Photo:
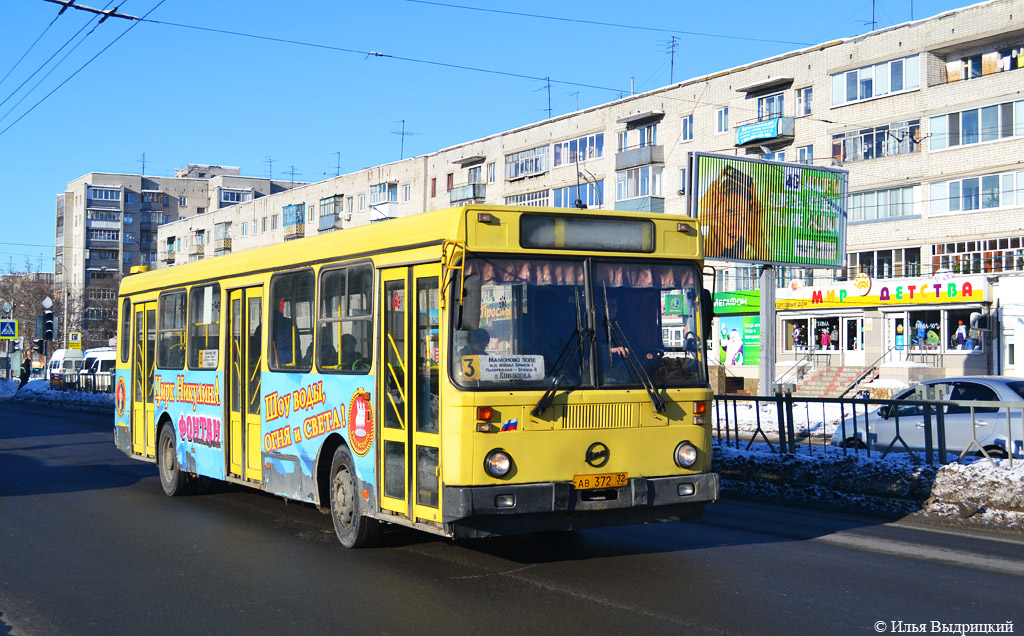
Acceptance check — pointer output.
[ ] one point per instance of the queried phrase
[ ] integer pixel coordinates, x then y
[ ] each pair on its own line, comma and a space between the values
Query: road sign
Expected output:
8, 329
74, 340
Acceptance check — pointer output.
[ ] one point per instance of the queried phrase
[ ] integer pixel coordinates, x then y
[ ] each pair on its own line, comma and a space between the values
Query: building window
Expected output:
362, 202
979, 257
722, 120
988, 123
881, 204
103, 235
182, 201
648, 135
450, 182
621, 141
577, 150
881, 141
888, 263
200, 210
526, 163
433, 186
887, 78
273, 222
683, 184
406, 193
804, 99
805, 154
129, 198
102, 194
774, 156
473, 174
591, 195
987, 192
638, 182
988, 63
331, 206
770, 106
490, 173
686, 128
383, 193
232, 197
533, 199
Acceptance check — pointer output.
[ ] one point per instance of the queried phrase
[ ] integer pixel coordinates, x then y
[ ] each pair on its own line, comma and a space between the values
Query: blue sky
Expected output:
178, 94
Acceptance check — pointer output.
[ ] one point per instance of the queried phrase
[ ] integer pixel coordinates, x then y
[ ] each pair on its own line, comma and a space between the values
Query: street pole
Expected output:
767, 285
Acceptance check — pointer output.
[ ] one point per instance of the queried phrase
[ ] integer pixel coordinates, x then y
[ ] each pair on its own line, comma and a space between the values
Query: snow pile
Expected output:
39, 392
981, 491
8, 388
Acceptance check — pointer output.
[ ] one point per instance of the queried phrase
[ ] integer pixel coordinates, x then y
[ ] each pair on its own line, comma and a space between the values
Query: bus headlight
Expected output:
498, 463
685, 455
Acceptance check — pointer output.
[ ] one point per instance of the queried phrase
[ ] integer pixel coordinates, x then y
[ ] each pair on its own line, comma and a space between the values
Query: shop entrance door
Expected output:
896, 337
853, 342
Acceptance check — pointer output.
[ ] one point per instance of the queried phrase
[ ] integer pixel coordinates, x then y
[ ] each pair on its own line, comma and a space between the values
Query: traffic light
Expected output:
40, 346
47, 325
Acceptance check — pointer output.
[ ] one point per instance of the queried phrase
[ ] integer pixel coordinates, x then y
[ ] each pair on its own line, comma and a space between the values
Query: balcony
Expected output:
765, 131
295, 231
168, 257
639, 156
642, 204
327, 222
221, 245
468, 193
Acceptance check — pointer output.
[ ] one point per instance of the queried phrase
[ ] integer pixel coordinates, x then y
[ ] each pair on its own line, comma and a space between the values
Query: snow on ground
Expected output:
39, 392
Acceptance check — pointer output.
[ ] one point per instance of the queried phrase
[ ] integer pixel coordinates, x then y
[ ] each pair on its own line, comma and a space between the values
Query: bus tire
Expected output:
354, 529
174, 481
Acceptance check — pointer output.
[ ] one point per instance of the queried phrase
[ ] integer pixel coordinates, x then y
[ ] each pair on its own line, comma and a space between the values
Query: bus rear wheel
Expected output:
354, 529
173, 480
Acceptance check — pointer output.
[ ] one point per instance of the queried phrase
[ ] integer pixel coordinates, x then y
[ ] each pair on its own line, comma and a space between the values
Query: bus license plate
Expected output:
608, 480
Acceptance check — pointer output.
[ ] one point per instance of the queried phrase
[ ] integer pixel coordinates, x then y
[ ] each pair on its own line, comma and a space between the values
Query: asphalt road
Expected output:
90, 545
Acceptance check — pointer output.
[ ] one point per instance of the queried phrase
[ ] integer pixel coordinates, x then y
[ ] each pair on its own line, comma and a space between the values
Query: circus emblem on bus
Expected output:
120, 396
360, 422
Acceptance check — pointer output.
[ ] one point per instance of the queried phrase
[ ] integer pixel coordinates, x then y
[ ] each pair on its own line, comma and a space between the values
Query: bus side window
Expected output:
204, 327
345, 319
291, 329
171, 332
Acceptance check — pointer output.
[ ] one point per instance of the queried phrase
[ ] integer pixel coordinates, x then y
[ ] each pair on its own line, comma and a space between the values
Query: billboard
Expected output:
739, 342
755, 211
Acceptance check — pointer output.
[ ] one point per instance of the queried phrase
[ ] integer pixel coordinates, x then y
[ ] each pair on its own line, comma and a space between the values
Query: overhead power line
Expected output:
80, 69
31, 46
106, 13
607, 24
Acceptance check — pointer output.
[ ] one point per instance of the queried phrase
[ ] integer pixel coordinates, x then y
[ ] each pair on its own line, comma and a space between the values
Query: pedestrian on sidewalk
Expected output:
26, 370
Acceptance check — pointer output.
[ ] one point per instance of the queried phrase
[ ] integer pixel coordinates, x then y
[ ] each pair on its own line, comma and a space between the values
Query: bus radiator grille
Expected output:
591, 416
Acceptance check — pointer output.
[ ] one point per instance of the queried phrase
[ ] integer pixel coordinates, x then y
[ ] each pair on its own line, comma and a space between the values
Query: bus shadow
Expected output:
719, 528
22, 475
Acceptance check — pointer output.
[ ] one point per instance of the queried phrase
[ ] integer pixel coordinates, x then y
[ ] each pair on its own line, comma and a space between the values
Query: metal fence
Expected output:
930, 431
99, 382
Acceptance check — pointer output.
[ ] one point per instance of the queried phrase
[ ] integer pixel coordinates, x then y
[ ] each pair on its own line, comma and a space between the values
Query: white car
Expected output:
992, 431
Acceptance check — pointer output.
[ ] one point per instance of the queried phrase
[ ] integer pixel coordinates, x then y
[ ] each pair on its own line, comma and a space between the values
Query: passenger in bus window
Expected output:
349, 355
283, 334
477, 345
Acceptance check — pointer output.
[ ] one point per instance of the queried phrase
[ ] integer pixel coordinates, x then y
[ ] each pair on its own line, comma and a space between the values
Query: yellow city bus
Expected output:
469, 372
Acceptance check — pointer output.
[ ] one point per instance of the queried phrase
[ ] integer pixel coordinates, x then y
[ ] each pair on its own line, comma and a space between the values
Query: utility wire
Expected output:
31, 46
80, 69
43, 65
608, 24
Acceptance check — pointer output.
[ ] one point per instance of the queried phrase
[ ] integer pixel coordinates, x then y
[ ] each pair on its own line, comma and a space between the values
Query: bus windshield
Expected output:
583, 323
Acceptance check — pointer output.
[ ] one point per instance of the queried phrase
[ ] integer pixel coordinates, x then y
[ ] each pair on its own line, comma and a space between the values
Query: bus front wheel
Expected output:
174, 480
354, 529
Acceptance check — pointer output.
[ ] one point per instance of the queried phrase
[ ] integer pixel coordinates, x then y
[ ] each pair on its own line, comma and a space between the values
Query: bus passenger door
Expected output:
143, 363
244, 378
409, 393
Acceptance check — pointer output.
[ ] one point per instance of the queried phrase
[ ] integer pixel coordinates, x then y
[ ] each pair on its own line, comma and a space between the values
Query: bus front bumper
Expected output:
476, 511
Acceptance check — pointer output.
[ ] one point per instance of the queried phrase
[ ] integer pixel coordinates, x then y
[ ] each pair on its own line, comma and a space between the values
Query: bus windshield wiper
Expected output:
617, 340
581, 337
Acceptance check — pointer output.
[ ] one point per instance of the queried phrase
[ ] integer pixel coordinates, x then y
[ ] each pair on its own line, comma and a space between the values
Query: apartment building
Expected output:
107, 223
927, 117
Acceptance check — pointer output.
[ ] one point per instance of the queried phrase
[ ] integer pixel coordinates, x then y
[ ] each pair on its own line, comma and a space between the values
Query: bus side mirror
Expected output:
469, 305
707, 313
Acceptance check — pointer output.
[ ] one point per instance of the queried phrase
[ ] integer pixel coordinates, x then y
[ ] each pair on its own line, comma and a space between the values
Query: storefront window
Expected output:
925, 331
959, 335
795, 334
826, 333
